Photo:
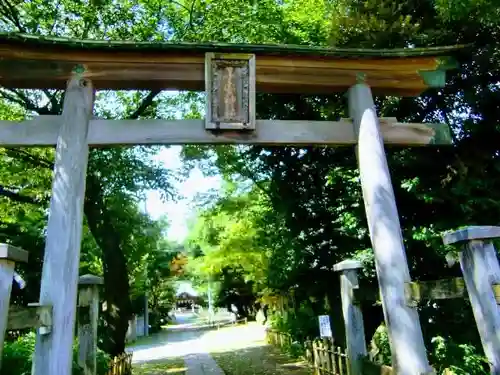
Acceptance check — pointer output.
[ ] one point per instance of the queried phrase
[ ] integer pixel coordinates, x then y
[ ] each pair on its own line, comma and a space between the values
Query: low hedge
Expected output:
17, 357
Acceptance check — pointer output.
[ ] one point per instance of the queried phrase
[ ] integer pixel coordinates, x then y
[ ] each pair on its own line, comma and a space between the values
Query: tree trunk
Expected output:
116, 285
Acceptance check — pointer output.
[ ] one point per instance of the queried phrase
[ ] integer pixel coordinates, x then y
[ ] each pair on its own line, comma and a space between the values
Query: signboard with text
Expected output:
325, 329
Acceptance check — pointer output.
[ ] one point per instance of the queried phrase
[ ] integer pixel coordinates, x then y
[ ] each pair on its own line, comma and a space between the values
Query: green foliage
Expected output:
288, 214
380, 349
302, 324
462, 359
226, 247
17, 357
316, 216
117, 236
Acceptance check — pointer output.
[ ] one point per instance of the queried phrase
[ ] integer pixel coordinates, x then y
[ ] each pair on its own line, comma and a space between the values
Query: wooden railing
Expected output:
321, 354
121, 365
327, 358
279, 339
224, 323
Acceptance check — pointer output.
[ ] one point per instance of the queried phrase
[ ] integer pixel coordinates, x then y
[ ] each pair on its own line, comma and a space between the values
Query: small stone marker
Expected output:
353, 317
88, 318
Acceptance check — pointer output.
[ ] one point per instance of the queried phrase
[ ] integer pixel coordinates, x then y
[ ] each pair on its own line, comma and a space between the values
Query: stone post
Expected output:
9, 255
88, 320
353, 317
480, 268
407, 343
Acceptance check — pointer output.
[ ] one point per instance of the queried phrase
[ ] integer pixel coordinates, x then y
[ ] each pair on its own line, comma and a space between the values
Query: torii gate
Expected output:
231, 75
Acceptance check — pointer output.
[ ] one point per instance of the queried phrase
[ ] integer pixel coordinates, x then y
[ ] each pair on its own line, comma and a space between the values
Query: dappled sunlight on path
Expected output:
234, 350
243, 351
234, 338
170, 345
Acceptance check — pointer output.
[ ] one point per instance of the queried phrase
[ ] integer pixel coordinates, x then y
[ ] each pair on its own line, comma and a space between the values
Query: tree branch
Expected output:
146, 102
56, 106
10, 12
29, 158
5, 192
21, 99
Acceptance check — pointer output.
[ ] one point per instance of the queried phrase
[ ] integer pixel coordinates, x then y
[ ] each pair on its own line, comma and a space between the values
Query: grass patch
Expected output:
172, 366
259, 360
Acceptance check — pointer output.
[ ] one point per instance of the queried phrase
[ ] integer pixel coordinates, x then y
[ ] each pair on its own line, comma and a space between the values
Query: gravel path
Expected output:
183, 342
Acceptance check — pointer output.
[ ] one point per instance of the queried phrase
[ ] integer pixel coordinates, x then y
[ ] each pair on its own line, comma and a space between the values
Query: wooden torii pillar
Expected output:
231, 80
53, 353
405, 333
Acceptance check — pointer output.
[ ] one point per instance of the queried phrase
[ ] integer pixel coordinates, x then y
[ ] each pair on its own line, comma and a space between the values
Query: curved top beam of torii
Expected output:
28, 61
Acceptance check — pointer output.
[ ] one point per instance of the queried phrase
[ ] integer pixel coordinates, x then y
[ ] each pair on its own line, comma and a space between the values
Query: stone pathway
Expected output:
185, 343
202, 364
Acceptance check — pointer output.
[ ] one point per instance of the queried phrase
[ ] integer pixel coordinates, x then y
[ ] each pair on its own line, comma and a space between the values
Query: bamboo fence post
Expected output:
328, 357
341, 364
315, 357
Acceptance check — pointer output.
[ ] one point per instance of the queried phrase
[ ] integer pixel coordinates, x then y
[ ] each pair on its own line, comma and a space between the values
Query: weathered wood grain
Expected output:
13, 253
353, 316
43, 130
397, 133
167, 67
480, 232
496, 292
230, 90
53, 353
417, 291
33, 316
436, 289
407, 343
481, 270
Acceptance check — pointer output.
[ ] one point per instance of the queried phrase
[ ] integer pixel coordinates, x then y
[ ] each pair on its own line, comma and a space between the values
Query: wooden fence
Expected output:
326, 359
121, 365
321, 354
224, 323
279, 339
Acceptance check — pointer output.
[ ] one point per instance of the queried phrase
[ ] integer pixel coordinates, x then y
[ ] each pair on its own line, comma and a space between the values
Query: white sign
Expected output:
325, 330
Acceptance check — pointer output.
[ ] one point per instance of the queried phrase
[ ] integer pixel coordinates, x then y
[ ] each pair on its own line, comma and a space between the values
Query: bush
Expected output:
462, 359
380, 349
300, 325
17, 357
